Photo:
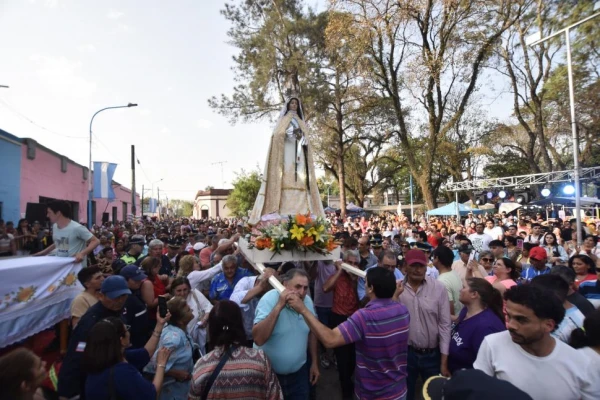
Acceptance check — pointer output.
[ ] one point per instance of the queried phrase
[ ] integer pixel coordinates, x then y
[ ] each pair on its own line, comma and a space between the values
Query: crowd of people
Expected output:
173, 310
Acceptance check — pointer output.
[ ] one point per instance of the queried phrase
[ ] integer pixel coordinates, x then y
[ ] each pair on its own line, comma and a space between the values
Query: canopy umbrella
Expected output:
450, 209
329, 210
353, 208
508, 207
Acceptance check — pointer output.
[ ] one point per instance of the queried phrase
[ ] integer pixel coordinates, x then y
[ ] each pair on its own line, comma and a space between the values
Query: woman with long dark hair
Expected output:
114, 370
246, 373
152, 286
584, 267
481, 316
556, 253
21, 375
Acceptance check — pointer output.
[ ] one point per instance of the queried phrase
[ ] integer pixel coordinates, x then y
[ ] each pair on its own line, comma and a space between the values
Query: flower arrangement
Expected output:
300, 233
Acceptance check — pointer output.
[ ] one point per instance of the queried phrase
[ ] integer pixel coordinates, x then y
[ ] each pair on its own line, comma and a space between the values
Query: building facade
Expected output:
34, 175
211, 204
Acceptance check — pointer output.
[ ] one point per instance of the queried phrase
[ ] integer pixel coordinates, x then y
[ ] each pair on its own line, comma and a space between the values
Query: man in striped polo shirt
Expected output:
379, 332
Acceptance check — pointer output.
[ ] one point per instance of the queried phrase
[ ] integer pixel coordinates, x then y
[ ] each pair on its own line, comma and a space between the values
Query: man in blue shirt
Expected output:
223, 283
537, 258
388, 262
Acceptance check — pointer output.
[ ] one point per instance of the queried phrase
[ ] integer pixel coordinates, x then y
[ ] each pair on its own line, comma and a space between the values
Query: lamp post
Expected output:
90, 193
533, 40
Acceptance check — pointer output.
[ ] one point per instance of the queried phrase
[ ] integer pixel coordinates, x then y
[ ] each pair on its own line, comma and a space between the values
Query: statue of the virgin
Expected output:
289, 185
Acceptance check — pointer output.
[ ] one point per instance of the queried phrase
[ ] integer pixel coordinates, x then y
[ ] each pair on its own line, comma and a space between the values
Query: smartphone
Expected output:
162, 306
520, 244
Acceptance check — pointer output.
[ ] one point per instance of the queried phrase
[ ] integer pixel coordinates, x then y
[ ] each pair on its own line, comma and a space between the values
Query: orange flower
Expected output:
307, 241
262, 243
303, 219
331, 245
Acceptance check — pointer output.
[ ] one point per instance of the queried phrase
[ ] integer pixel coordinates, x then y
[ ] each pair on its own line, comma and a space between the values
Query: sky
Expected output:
66, 59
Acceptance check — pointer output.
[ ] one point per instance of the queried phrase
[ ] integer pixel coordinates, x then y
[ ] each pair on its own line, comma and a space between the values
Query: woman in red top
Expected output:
345, 303
153, 286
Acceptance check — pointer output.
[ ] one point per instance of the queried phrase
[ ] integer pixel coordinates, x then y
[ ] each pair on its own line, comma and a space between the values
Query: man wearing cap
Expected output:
497, 248
136, 308
112, 297
136, 246
460, 266
471, 384
527, 355
537, 259
429, 333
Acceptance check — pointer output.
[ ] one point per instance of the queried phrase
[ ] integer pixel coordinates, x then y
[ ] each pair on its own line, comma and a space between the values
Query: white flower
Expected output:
279, 232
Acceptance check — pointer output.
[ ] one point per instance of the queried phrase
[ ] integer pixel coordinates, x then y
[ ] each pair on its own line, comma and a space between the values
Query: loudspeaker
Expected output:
104, 218
36, 212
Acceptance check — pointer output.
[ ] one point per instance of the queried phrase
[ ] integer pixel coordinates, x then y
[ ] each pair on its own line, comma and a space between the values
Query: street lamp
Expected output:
535, 39
90, 194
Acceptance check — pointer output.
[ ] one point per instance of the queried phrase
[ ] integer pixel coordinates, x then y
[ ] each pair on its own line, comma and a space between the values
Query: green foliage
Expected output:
245, 189
181, 208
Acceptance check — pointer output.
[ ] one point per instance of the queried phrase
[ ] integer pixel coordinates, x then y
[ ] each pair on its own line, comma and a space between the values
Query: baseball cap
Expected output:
133, 272
114, 286
496, 243
471, 384
465, 248
416, 257
137, 239
199, 246
537, 253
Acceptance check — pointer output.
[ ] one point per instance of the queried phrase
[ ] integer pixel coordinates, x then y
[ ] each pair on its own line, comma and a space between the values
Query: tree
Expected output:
181, 208
245, 189
209, 187
421, 55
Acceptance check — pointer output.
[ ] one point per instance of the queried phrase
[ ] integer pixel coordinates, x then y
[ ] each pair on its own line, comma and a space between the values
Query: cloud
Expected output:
204, 124
165, 130
62, 76
86, 48
114, 14
144, 112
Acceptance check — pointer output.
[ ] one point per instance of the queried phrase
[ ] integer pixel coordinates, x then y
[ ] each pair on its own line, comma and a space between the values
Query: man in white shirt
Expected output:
527, 355
492, 230
480, 240
536, 234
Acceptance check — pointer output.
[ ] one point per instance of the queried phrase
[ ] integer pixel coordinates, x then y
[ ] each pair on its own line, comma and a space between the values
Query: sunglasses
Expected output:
487, 259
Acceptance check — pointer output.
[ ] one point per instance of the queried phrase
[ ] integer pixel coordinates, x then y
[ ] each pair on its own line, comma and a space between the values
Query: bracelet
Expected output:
157, 334
161, 365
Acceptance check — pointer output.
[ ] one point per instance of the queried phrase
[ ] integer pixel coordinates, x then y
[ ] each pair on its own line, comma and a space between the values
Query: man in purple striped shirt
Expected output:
380, 333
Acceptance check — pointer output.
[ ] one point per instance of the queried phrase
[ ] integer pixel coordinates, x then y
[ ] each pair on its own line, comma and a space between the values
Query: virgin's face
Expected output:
294, 105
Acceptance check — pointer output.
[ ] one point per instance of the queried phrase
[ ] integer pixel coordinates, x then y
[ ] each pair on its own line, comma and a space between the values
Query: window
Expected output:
85, 173
63, 164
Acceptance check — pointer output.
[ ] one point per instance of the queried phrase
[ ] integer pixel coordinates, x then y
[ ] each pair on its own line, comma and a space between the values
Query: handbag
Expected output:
216, 372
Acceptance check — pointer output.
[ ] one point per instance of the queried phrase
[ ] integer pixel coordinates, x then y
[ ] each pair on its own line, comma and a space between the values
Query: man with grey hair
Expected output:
284, 336
155, 249
136, 246
223, 283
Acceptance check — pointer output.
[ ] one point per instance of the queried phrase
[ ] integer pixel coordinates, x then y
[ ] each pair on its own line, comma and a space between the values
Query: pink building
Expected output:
47, 175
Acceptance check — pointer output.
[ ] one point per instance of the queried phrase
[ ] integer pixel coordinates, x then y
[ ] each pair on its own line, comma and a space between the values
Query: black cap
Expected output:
496, 243
471, 384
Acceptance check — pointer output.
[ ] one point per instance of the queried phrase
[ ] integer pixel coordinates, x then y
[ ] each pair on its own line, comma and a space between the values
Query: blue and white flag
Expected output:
152, 205
103, 175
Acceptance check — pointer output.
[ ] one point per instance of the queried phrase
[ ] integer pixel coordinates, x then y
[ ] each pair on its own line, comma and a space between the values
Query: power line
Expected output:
15, 111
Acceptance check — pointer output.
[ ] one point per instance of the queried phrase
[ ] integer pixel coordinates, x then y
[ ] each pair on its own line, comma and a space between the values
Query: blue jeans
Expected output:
424, 365
295, 386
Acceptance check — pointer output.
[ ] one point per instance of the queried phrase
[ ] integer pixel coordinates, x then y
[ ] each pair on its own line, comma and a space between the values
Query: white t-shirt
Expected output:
480, 242
562, 375
495, 233
70, 240
197, 277
595, 359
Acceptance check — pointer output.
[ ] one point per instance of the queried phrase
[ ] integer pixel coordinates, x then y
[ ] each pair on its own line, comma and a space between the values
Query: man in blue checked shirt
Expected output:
223, 283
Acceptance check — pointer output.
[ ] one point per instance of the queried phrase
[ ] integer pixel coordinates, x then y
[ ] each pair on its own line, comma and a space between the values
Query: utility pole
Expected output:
142, 204
158, 201
222, 180
133, 208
